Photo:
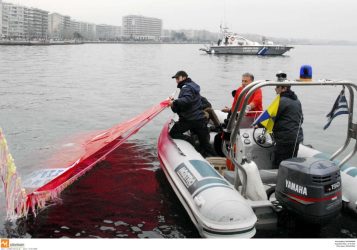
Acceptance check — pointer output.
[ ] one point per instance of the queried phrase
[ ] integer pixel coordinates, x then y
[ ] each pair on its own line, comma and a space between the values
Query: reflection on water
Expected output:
125, 196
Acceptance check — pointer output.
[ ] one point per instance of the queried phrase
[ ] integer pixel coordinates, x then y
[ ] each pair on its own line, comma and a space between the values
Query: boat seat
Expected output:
268, 176
219, 163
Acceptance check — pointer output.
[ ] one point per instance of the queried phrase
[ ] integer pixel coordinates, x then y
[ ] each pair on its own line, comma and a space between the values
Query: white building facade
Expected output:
59, 26
20, 22
108, 32
37, 22
14, 19
0, 19
87, 31
141, 27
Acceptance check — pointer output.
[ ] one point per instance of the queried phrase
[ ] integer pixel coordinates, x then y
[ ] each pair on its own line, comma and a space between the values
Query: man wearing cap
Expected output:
188, 106
287, 130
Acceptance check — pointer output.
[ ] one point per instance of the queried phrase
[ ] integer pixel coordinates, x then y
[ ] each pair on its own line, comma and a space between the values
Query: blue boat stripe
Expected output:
352, 172
263, 51
344, 167
204, 169
192, 184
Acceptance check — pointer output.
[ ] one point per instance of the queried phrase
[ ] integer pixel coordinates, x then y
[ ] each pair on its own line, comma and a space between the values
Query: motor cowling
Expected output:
310, 188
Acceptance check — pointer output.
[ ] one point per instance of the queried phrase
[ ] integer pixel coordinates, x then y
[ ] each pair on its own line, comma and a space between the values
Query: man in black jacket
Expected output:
288, 133
188, 106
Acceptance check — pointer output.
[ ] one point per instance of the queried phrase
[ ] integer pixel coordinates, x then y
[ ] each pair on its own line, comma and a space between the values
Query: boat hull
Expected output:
214, 206
268, 50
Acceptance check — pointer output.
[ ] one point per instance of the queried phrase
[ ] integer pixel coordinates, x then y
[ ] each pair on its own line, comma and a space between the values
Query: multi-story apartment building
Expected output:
0, 19
20, 22
141, 27
14, 16
108, 32
199, 35
75, 27
59, 26
36, 23
4, 19
87, 31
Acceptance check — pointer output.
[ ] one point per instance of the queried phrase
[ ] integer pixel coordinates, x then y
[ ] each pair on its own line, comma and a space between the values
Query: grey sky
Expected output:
315, 19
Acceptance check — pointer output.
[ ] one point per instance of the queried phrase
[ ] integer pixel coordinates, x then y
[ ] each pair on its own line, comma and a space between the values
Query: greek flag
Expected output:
339, 108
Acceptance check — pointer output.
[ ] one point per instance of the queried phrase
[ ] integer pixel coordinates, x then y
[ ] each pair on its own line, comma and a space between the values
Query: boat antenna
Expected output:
224, 15
223, 25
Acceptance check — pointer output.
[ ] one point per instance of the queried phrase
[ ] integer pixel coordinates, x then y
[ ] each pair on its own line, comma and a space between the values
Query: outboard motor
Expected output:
310, 188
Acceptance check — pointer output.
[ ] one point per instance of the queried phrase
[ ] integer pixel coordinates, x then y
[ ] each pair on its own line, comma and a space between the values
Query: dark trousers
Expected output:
199, 128
283, 152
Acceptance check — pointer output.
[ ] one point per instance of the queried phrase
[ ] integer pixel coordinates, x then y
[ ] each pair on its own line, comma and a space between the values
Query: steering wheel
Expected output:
263, 139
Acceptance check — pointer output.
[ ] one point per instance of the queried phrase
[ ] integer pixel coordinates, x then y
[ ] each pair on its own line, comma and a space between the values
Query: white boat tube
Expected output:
214, 206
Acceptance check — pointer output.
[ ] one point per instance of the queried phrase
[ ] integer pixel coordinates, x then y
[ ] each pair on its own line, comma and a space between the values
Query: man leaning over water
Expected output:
191, 116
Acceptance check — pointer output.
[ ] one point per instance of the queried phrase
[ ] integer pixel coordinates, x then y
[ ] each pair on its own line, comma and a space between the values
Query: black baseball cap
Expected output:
180, 73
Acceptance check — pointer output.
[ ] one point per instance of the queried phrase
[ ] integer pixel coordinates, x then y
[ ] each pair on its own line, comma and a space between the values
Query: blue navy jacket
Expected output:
288, 120
188, 104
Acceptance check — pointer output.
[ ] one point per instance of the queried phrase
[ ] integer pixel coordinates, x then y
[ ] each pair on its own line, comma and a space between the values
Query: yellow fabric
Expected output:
269, 115
8, 161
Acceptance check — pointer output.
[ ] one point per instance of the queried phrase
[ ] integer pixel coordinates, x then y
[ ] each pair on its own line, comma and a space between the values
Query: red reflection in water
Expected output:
121, 197
89, 152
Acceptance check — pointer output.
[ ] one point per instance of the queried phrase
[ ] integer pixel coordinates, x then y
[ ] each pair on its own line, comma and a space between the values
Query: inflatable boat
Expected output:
232, 200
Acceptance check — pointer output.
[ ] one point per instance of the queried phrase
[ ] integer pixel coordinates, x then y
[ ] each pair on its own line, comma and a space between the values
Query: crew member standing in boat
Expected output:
188, 106
255, 102
287, 130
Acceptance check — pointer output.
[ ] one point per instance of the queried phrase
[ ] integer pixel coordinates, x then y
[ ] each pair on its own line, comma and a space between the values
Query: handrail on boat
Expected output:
247, 92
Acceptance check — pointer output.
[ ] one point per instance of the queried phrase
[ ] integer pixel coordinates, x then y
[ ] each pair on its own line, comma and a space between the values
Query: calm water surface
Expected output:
51, 94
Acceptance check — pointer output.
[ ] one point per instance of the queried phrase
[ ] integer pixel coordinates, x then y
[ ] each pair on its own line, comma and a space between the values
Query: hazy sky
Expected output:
315, 19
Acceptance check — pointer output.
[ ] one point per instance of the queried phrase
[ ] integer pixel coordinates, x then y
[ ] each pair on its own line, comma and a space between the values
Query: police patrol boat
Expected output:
233, 203
234, 44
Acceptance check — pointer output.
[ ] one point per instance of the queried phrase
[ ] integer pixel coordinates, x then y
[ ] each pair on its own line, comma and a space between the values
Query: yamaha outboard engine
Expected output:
310, 187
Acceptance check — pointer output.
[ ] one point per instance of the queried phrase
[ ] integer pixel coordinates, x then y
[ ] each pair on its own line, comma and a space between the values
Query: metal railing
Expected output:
247, 92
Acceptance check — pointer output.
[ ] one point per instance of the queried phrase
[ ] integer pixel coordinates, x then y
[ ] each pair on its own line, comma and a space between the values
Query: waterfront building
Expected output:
189, 35
142, 28
87, 31
59, 26
0, 19
4, 21
36, 24
14, 17
199, 35
166, 35
108, 32
75, 28
20, 22
83, 30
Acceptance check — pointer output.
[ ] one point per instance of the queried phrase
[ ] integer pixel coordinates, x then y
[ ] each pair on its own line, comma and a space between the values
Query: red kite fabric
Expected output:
47, 184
